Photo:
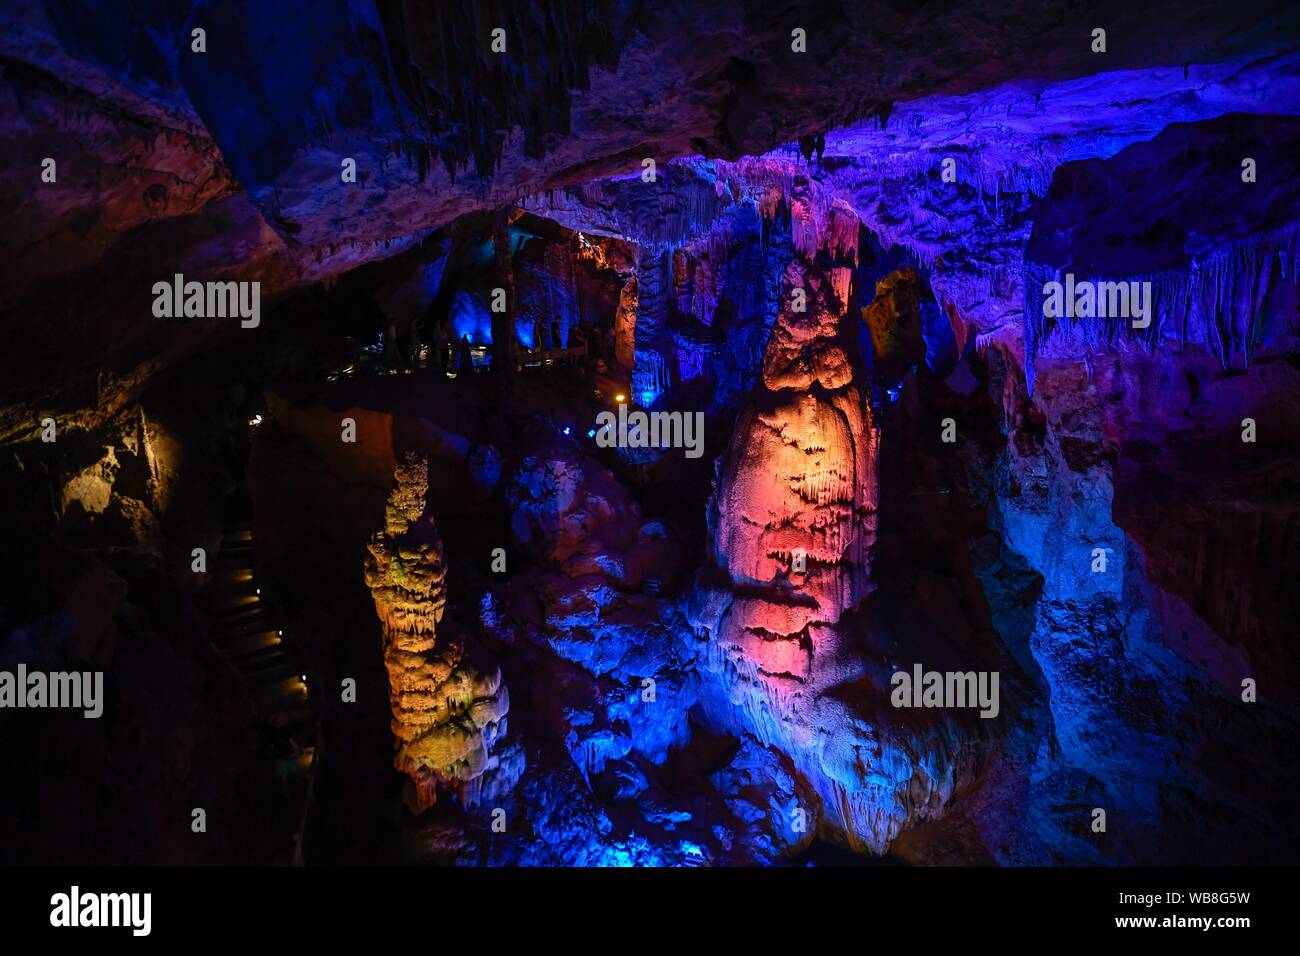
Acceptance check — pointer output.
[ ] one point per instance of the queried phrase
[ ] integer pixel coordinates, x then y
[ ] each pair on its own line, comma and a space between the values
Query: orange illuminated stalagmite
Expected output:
796, 498
448, 710
782, 605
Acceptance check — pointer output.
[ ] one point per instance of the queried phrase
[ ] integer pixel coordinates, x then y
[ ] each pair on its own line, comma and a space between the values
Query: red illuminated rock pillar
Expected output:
796, 496
792, 525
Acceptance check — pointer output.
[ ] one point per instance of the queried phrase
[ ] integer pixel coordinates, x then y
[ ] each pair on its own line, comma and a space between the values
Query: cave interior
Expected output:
612, 400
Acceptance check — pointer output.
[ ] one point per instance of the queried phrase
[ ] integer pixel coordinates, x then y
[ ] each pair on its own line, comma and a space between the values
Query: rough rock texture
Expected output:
1142, 690
595, 555
681, 693
98, 536
793, 522
1211, 259
893, 319
387, 86
448, 709
761, 787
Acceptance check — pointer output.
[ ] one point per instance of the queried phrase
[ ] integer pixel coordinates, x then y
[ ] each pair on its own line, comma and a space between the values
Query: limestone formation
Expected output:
836, 253
796, 499
793, 521
448, 707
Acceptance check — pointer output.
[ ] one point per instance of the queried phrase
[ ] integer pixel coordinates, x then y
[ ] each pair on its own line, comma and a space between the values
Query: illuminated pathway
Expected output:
245, 632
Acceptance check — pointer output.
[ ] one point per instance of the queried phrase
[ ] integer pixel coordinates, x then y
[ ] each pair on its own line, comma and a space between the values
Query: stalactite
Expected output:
651, 373
1212, 303
471, 97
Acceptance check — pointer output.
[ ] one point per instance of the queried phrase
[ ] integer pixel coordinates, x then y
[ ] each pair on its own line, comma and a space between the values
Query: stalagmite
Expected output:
448, 708
793, 524
800, 477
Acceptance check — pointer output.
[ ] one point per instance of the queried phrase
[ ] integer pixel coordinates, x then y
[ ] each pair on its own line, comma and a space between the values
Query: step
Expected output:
236, 645
240, 629
268, 670
228, 596
232, 571
257, 656
272, 674
244, 610
245, 624
289, 684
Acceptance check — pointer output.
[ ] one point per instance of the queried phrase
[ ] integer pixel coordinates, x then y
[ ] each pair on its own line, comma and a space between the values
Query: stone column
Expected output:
447, 709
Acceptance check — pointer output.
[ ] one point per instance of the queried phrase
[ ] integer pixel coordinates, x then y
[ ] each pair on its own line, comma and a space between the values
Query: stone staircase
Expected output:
244, 629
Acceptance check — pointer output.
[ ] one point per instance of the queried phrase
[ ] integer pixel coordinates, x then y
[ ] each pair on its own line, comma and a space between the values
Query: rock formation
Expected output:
596, 556
793, 520
448, 708
699, 651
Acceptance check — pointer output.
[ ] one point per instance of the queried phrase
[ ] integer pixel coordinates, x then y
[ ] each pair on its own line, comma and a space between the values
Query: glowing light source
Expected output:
620, 397
565, 429
255, 421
